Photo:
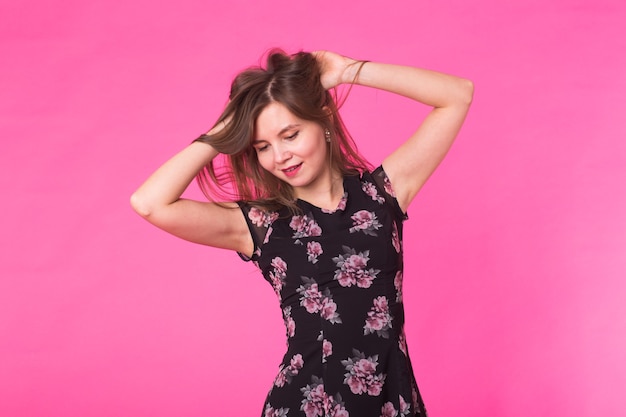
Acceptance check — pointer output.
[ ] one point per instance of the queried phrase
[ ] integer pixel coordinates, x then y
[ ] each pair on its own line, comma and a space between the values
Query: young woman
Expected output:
324, 228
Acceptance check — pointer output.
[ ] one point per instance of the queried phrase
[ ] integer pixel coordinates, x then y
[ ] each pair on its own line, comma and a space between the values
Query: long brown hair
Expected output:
294, 81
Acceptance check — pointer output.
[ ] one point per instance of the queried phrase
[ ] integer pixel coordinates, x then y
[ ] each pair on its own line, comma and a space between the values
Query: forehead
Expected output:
273, 119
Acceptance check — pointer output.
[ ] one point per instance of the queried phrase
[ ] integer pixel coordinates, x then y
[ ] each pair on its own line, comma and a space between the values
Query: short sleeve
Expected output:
384, 186
258, 222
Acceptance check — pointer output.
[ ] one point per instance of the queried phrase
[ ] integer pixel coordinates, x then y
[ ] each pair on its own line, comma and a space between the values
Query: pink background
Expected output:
516, 248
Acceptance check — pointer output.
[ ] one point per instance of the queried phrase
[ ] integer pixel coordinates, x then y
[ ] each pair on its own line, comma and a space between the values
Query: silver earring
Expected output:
327, 135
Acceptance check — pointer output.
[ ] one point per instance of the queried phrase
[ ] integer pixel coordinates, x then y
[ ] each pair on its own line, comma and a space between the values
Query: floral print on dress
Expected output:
316, 301
278, 274
361, 374
388, 410
286, 373
415, 397
388, 187
405, 408
378, 318
314, 398
313, 250
371, 190
340, 207
397, 283
275, 412
290, 324
304, 226
318, 403
327, 349
402, 343
366, 222
395, 238
261, 218
337, 275
352, 269
336, 407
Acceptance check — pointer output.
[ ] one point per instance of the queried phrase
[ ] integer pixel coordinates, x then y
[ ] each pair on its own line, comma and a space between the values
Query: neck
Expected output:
327, 194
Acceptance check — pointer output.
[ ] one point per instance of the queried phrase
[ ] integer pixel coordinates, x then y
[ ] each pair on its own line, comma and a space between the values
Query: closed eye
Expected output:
261, 147
293, 136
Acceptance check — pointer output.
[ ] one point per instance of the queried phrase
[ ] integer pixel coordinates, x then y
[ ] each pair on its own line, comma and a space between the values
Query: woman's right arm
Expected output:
158, 200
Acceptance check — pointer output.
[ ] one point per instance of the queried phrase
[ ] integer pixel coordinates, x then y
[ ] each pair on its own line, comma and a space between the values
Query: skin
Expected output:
295, 150
408, 167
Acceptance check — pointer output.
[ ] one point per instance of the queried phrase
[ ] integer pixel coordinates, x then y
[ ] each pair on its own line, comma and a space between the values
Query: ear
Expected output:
329, 115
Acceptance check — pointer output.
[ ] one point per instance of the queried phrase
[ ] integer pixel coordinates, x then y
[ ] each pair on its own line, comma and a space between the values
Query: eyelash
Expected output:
291, 137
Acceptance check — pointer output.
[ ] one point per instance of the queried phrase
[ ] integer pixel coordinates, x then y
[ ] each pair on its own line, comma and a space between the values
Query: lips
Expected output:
292, 170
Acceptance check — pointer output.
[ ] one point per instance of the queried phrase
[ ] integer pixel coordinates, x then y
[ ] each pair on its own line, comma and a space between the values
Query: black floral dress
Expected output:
338, 277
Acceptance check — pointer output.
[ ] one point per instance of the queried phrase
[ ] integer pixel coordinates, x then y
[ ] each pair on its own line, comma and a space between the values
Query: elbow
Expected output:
460, 94
467, 92
139, 205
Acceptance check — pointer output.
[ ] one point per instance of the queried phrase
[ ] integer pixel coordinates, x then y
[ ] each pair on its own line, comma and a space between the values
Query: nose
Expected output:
281, 154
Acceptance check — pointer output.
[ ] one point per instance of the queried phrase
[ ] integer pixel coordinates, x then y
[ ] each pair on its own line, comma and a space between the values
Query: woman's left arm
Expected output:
412, 163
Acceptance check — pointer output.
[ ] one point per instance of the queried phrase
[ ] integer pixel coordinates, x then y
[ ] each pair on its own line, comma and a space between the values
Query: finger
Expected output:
318, 54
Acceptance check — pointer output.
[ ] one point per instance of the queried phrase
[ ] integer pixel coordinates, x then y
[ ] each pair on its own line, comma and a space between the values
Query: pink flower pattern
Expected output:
352, 269
388, 410
388, 187
304, 226
314, 398
333, 271
327, 349
316, 301
340, 207
318, 403
313, 250
371, 190
378, 318
366, 222
335, 407
278, 274
414, 397
262, 218
397, 283
402, 343
405, 408
286, 373
395, 238
361, 374
290, 324
275, 412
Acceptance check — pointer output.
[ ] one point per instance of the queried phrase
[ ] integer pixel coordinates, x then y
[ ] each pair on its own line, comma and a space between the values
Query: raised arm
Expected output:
412, 163
159, 201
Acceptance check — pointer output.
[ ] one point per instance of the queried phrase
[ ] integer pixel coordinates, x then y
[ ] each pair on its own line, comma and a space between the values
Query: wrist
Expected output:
352, 71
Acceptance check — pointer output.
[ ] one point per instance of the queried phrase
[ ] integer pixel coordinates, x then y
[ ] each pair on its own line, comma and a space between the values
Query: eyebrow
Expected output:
281, 132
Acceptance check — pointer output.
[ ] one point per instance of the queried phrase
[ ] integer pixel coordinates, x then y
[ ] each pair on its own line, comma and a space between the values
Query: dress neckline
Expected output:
341, 205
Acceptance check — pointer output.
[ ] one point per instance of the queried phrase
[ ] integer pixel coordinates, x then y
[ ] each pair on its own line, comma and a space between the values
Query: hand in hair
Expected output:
336, 69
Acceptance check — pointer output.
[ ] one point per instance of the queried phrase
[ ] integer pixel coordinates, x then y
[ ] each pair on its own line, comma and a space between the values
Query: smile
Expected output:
292, 170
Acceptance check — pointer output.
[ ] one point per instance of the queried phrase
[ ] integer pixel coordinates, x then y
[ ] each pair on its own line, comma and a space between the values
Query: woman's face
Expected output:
292, 149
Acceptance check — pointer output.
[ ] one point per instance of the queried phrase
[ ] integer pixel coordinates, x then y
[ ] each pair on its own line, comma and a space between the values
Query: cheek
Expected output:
264, 160
308, 147
317, 149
